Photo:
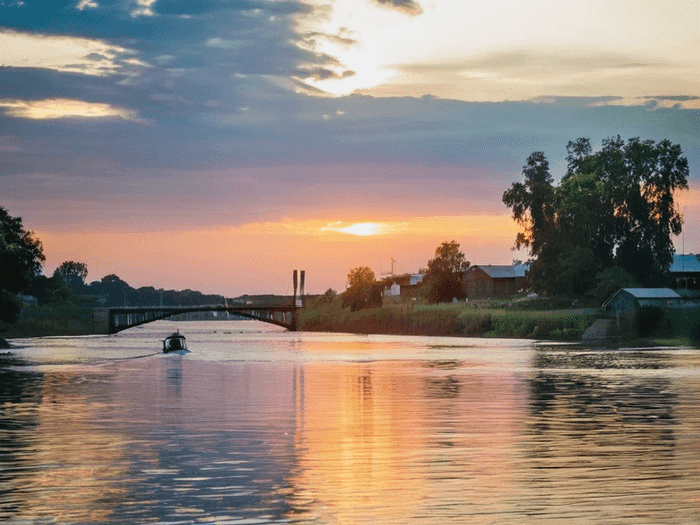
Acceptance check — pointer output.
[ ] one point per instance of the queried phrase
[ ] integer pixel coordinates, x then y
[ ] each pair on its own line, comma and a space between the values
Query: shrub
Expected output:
648, 320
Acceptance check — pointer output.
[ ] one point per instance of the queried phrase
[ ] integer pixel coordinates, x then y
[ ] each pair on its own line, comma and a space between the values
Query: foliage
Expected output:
329, 296
450, 319
610, 281
648, 320
73, 273
10, 307
443, 276
50, 290
614, 207
362, 290
21, 255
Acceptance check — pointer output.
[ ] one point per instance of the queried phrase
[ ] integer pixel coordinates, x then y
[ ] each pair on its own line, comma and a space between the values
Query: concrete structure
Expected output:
282, 312
628, 299
483, 281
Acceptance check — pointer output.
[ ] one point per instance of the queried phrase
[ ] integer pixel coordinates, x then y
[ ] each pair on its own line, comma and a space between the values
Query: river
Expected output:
256, 425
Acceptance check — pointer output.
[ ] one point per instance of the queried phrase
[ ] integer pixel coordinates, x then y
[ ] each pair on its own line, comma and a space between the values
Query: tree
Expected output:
358, 294
444, 273
21, 258
116, 290
533, 208
328, 297
21, 255
610, 281
613, 208
73, 273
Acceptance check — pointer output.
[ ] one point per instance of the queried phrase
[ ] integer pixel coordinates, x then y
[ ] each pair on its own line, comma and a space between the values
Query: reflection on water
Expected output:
270, 427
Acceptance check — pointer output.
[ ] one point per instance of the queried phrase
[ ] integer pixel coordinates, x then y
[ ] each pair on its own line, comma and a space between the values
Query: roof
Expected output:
645, 293
685, 263
503, 271
416, 278
652, 293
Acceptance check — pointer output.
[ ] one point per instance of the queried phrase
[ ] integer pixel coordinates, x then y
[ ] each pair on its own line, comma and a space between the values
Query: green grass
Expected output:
451, 319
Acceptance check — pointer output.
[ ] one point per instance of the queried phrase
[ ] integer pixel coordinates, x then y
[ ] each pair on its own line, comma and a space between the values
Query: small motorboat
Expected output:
174, 342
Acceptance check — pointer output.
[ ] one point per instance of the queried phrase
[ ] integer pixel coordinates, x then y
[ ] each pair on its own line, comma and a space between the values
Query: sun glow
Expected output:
361, 228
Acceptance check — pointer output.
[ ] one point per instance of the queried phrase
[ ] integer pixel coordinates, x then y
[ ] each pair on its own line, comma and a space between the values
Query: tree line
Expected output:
21, 262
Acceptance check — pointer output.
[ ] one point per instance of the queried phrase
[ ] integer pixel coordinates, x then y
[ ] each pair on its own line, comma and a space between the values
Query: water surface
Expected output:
256, 425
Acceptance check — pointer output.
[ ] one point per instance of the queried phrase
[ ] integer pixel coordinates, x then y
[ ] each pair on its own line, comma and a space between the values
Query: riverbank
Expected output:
47, 327
451, 320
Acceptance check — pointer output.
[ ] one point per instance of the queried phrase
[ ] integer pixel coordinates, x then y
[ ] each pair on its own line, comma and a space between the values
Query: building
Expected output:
627, 299
404, 286
486, 280
685, 272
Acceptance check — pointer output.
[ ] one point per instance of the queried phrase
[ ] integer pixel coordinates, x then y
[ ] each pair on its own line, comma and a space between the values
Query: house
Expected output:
486, 280
627, 299
685, 272
404, 286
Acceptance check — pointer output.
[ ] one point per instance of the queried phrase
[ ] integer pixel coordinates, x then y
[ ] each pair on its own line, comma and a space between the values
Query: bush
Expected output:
10, 307
648, 321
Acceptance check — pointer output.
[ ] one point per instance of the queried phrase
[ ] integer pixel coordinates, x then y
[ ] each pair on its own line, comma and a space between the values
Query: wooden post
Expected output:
295, 313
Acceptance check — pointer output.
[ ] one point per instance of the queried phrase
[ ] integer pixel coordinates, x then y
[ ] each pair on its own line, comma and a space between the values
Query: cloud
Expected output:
540, 49
143, 8
651, 102
229, 44
406, 6
62, 108
86, 3
66, 54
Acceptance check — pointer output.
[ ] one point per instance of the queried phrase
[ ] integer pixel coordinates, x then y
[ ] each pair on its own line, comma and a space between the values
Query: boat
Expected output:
174, 342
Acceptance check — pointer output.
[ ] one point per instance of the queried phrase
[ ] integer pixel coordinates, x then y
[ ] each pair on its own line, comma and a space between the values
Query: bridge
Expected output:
284, 312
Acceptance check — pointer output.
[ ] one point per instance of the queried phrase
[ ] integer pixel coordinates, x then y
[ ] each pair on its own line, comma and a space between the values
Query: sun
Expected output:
361, 228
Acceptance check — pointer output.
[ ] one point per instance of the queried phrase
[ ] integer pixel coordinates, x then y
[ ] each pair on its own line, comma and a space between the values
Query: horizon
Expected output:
218, 146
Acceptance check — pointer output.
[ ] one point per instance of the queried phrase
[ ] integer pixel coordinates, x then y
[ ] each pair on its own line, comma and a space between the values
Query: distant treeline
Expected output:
111, 291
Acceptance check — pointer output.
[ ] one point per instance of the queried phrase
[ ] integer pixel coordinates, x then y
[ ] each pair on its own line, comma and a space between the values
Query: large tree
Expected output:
614, 207
533, 208
444, 273
21, 254
73, 273
21, 258
361, 290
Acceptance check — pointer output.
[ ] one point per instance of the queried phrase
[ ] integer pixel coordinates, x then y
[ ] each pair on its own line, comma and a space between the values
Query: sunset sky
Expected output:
217, 145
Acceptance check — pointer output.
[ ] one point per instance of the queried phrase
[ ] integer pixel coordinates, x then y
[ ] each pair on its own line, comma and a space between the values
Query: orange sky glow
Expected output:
261, 256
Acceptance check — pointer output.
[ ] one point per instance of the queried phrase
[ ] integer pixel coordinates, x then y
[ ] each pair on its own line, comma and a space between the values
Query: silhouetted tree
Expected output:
444, 273
615, 207
21, 258
358, 294
73, 273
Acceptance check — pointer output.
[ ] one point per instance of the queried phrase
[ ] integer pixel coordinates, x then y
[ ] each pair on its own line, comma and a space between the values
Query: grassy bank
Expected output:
450, 319
48, 321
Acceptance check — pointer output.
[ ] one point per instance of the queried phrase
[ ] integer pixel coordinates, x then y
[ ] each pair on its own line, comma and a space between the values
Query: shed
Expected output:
488, 280
627, 299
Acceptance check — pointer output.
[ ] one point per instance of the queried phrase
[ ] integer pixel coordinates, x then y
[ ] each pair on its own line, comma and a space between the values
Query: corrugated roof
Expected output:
498, 272
685, 263
652, 293
520, 269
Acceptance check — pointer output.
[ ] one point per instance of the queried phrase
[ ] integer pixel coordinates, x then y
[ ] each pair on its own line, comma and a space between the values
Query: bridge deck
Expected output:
113, 320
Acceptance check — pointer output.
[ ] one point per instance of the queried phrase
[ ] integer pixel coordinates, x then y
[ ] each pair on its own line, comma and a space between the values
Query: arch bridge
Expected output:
284, 312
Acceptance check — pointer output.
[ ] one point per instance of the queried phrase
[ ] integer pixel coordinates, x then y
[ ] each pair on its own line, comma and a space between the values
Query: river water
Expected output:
256, 425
